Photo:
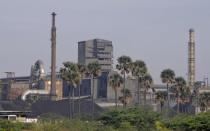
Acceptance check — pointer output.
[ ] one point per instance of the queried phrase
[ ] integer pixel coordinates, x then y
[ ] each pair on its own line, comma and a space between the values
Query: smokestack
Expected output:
53, 59
191, 58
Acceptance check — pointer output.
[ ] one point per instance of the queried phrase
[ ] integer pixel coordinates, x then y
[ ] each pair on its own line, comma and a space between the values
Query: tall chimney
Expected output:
53, 59
191, 58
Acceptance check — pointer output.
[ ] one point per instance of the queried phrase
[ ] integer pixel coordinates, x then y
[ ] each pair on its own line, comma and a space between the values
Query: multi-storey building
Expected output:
96, 50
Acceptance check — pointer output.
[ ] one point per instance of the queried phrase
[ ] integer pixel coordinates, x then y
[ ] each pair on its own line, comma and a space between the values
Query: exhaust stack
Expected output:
53, 59
191, 58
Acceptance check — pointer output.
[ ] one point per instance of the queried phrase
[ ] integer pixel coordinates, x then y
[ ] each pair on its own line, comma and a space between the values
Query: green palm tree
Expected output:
168, 76
139, 70
180, 90
146, 84
161, 96
195, 93
204, 100
94, 70
185, 95
115, 82
124, 66
127, 96
82, 70
69, 73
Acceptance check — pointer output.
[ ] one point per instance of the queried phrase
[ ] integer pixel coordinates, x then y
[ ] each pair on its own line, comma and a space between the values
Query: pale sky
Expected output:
155, 31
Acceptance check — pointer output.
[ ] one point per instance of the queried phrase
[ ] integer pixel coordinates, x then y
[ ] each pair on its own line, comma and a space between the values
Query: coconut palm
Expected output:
126, 98
195, 93
185, 95
124, 66
146, 84
115, 82
71, 75
161, 96
139, 70
180, 90
94, 70
204, 101
168, 77
82, 70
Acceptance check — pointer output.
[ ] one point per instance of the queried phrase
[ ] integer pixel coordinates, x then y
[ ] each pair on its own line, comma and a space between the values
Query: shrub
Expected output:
10, 126
140, 118
200, 122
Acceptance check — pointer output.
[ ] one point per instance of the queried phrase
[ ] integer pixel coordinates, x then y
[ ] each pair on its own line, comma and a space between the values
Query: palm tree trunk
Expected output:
196, 103
69, 103
150, 98
115, 98
73, 102
93, 93
145, 96
79, 101
178, 103
138, 92
168, 95
124, 105
161, 106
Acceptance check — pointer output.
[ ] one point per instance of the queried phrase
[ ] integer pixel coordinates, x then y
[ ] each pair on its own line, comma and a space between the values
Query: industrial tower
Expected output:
53, 59
191, 58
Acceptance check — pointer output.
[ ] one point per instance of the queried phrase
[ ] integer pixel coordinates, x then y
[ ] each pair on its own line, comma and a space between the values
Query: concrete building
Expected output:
96, 50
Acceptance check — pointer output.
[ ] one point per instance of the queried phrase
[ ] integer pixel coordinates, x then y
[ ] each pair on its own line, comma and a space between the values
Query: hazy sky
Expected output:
155, 31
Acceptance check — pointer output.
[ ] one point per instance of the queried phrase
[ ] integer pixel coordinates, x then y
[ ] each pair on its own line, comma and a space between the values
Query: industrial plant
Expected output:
51, 91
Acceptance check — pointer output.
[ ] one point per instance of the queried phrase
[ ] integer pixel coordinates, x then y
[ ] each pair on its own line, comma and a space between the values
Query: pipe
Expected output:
27, 92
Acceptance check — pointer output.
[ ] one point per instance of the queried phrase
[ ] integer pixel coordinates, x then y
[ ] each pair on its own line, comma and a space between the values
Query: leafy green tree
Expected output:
168, 76
127, 96
139, 70
115, 82
124, 66
161, 96
94, 70
82, 70
70, 73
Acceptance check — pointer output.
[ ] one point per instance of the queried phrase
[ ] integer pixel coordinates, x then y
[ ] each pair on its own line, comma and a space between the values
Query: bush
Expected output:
159, 126
50, 117
10, 126
140, 118
70, 125
200, 122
